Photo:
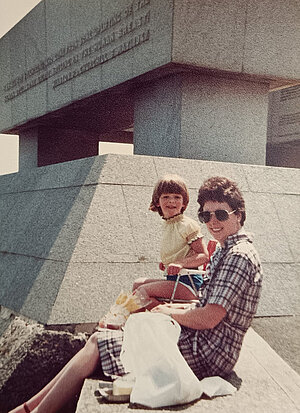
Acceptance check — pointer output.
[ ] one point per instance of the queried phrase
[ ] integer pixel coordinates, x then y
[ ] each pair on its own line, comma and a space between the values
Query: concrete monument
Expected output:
190, 78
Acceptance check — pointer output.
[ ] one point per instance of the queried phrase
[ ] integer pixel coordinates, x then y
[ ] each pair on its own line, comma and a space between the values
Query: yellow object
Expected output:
122, 297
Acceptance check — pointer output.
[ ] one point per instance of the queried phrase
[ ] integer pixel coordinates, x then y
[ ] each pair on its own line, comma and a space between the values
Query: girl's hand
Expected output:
161, 266
174, 269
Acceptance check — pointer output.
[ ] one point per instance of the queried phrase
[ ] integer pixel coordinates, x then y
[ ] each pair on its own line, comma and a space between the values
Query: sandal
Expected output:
26, 408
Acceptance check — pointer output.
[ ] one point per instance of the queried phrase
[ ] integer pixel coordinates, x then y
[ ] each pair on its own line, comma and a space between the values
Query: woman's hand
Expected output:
169, 309
174, 269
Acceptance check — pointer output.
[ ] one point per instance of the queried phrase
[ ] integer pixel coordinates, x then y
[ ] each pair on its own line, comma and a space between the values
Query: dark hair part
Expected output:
169, 184
221, 189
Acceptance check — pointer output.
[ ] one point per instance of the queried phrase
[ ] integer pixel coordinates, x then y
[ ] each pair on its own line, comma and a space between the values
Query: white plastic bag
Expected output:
150, 352
216, 386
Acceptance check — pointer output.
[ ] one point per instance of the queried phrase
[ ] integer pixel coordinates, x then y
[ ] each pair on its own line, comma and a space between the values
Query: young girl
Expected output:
182, 243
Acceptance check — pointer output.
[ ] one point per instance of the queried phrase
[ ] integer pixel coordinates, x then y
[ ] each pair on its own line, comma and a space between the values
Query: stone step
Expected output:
269, 385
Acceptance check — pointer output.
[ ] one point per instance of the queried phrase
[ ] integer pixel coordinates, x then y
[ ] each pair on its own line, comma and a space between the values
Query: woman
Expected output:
212, 334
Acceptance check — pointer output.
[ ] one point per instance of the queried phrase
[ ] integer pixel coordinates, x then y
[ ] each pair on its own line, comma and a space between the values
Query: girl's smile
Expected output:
170, 204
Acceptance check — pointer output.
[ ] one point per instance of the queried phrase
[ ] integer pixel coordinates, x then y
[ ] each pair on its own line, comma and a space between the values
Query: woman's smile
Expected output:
221, 230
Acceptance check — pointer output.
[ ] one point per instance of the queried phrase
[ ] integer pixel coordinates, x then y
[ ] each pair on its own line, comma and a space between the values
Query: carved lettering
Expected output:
141, 3
127, 26
290, 93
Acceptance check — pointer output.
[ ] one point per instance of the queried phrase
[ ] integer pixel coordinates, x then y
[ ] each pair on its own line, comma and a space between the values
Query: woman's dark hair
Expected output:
221, 189
169, 184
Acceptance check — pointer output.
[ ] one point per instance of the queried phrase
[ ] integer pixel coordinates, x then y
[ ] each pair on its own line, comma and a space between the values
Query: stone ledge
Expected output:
269, 385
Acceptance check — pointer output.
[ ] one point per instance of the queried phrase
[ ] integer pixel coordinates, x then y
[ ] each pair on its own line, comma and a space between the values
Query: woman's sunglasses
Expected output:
220, 214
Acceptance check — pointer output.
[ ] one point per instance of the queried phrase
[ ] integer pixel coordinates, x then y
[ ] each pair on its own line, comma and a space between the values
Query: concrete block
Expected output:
87, 171
209, 34
107, 281
201, 117
223, 120
28, 149
195, 172
147, 32
157, 128
17, 64
5, 112
36, 221
288, 211
269, 230
74, 52
281, 289
273, 180
100, 239
59, 43
29, 285
145, 224
271, 38
36, 51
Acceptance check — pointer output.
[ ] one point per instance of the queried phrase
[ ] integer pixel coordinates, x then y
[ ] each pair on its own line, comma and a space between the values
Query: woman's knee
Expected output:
92, 341
91, 347
90, 355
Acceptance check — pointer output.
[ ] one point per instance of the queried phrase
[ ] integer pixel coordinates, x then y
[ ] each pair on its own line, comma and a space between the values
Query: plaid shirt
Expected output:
235, 283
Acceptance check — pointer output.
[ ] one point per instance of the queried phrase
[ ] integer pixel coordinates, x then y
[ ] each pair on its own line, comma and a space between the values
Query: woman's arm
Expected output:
197, 256
201, 318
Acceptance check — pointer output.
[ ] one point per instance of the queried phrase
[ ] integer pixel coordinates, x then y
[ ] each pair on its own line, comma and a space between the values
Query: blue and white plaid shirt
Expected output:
235, 283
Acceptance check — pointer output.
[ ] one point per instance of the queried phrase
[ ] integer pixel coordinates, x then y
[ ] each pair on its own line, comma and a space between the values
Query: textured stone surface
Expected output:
30, 356
283, 335
248, 37
268, 385
74, 52
216, 122
99, 44
200, 117
81, 231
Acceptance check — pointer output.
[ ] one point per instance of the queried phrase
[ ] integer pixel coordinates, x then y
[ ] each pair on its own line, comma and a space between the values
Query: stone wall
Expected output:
74, 234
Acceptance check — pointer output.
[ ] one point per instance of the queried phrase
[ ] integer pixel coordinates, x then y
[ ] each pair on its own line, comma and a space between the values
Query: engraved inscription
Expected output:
289, 119
114, 36
292, 92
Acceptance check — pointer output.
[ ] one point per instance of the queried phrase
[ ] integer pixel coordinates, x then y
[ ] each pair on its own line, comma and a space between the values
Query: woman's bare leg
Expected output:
67, 383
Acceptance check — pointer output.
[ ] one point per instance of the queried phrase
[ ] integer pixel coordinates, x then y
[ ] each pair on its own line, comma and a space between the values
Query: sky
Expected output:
12, 11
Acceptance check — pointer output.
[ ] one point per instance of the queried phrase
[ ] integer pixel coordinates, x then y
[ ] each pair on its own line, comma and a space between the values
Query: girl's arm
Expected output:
197, 256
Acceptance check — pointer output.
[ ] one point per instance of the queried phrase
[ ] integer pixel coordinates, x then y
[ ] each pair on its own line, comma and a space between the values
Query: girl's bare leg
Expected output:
164, 289
141, 281
67, 383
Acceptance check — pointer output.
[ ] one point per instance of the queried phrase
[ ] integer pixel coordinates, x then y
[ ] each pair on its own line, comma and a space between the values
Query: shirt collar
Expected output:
171, 220
238, 236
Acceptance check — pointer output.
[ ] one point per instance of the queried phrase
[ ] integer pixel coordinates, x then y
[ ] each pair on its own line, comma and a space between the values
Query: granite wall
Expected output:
74, 234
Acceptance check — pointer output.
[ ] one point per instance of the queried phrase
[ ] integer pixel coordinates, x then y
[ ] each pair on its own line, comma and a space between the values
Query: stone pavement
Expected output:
269, 385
